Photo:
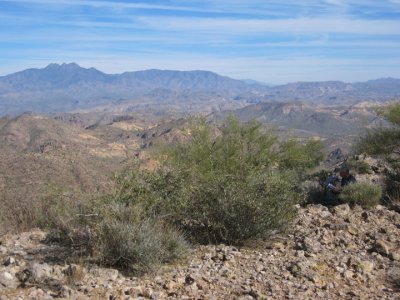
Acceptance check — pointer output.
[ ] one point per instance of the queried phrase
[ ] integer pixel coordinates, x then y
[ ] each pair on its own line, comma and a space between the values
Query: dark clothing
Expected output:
332, 196
348, 180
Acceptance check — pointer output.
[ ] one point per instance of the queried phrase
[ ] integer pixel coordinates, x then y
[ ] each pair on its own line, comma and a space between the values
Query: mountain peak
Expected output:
55, 66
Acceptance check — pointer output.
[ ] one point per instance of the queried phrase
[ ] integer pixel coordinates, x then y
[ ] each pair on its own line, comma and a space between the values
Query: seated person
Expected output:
333, 190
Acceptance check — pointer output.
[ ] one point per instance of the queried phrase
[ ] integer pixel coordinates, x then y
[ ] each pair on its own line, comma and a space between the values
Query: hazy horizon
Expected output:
242, 79
268, 41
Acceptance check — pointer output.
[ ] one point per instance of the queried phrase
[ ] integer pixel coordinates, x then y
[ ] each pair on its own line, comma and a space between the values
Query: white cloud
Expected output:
121, 37
254, 26
252, 7
110, 4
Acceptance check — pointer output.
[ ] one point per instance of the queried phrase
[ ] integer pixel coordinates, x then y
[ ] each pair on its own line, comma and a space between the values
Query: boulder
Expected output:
8, 280
342, 210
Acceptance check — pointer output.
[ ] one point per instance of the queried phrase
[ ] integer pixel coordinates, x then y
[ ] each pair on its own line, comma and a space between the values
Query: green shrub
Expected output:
113, 233
224, 187
363, 167
385, 143
238, 185
232, 210
55, 208
359, 166
300, 157
313, 185
380, 141
392, 186
363, 194
390, 112
140, 246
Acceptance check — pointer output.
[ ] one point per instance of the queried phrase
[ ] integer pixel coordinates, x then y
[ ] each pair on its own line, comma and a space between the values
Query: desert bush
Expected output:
231, 184
212, 188
50, 210
15, 216
363, 194
392, 186
142, 246
385, 143
380, 141
111, 232
300, 157
359, 166
55, 208
391, 112
227, 188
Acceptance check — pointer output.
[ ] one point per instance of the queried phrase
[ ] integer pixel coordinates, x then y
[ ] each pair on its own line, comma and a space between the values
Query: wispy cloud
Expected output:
107, 4
252, 7
250, 26
270, 41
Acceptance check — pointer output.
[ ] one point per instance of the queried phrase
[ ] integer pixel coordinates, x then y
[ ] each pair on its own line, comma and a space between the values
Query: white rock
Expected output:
41, 271
342, 210
7, 280
105, 274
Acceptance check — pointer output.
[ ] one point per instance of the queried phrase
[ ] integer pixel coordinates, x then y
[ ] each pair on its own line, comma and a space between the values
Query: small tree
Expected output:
295, 156
226, 187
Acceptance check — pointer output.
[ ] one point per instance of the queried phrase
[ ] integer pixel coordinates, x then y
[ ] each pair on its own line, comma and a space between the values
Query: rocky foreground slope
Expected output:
337, 253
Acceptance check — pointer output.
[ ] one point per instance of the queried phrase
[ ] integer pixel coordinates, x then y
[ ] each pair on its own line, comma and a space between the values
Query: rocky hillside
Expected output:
78, 152
37, 152
337, 253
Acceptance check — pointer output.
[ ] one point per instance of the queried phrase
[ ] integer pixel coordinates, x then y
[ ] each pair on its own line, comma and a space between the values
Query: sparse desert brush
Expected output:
363, 194
237, 185
111, 232
17, 215
359, 166
385, 143
393, 185
140, 246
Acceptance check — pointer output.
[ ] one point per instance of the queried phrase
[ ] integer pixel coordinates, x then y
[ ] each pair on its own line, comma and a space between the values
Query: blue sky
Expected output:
269, 41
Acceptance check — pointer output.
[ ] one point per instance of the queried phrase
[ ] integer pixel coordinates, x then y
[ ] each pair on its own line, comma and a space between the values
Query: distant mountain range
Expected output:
335, 92
310, 120
69, 87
